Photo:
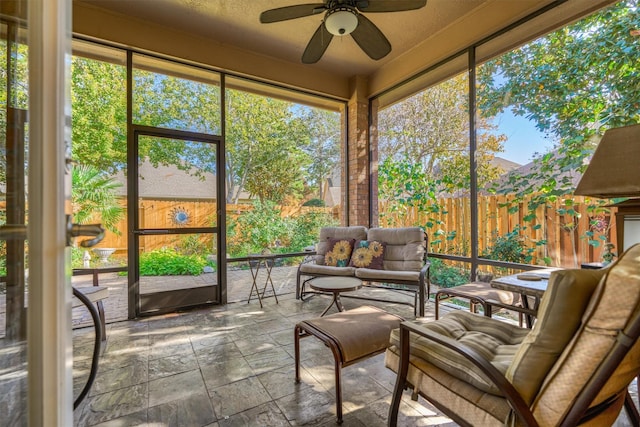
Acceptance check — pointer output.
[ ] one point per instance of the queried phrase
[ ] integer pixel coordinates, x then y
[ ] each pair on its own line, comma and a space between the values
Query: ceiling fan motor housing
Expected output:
341, 20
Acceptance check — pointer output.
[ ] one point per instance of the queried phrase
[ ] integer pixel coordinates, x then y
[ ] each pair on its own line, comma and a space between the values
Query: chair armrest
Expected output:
516, 401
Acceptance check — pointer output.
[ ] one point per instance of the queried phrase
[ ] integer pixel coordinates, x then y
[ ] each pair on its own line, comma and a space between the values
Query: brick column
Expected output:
357, 182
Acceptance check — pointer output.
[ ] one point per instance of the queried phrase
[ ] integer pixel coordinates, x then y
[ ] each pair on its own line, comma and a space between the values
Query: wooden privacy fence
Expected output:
163, 214
563, 238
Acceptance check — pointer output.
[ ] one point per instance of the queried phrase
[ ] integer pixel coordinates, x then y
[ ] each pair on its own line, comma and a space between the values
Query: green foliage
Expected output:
314, 202
169, 262
99, 114
77, 257
431, 129
574, 82
306, 228
446, 276
323, 148
508, 248
264, 139
169, 101
264, 136
404, 186
194, 244
94, 197
260, 228
263, 227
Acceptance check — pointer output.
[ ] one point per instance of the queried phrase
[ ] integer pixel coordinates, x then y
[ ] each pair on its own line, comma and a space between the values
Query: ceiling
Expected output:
418, 38
236, 23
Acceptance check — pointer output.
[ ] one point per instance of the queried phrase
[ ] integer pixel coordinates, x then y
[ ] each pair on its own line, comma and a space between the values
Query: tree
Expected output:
573, 84
94, 197
323, 149
98, 115
432, 128
579, 80
172, 102
264, 137
264, 141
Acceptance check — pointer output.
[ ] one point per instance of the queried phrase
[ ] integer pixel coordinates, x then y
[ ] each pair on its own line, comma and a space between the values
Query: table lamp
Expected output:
614, 171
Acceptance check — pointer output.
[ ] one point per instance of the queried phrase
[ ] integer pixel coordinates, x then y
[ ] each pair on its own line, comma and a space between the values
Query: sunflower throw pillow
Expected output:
368, 254
339, 252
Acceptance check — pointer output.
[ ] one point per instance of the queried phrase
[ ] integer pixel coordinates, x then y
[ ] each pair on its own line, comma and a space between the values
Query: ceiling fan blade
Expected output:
370, 39
291, 12
389, 5
317, 45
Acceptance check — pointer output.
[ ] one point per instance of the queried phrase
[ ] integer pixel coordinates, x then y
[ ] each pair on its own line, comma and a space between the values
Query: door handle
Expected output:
76, 230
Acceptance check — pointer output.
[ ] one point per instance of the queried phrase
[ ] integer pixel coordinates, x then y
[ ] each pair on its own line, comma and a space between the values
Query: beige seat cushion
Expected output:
382, 275
567, 295
404, 250
614, 302
358, 332
450, 393
495, 340
480, 290
326, 270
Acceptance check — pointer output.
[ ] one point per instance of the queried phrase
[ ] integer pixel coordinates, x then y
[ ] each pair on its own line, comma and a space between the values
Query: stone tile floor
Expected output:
233, 365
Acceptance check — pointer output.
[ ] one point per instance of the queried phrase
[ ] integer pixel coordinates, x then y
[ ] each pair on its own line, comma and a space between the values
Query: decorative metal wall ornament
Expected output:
179, 216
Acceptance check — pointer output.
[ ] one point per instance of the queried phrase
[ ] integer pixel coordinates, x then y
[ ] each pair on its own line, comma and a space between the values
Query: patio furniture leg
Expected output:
338, 372
103, 323
296, 347
254, 285
100, 306
632, 411
269, 280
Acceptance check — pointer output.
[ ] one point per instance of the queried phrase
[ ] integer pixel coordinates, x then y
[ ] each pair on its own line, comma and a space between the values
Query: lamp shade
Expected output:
341, 21
614, 170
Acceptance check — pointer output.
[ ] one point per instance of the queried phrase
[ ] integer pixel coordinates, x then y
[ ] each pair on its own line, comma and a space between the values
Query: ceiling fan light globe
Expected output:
341, 21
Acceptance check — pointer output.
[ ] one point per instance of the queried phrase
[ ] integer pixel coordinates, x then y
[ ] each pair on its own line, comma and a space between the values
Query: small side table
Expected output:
257, 261
335, 285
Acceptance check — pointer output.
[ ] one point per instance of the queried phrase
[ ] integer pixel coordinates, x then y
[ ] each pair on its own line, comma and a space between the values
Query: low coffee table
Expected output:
335, 285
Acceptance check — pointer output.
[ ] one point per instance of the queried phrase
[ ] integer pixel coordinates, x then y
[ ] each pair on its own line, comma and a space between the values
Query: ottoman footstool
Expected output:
352, 336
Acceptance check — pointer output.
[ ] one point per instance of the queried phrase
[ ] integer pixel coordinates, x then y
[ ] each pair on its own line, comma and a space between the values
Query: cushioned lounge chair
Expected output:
573, 368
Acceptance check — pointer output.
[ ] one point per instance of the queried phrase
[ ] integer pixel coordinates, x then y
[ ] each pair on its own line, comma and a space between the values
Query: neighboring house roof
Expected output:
504, 164
170, 182
332, 191
531, 167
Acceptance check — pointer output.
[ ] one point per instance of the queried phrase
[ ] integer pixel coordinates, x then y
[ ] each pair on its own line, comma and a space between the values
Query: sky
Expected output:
523, 139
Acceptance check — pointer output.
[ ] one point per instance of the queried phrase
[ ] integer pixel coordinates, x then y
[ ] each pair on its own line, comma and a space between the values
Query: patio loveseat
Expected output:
381, 256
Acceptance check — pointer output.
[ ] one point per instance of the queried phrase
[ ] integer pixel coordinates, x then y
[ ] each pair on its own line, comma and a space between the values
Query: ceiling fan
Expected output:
342, 17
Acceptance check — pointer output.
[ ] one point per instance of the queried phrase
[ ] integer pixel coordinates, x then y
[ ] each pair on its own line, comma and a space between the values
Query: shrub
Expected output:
257, 229
318, 203
263, 227
168, 262
306, 228
446, 276
509, 248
